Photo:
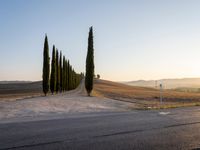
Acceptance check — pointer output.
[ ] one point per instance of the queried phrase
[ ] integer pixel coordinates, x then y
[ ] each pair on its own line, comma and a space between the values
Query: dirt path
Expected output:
72, 102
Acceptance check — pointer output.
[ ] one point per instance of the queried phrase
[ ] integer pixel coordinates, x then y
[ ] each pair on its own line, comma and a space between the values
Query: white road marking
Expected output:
164, 113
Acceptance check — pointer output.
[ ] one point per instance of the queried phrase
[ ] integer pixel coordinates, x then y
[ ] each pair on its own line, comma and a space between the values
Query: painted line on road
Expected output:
164, 113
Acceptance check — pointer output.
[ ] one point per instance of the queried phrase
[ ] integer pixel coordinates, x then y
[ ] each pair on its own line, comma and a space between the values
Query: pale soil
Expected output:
72, 102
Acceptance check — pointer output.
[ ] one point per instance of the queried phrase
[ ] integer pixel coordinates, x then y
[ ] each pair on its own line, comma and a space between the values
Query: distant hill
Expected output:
14, 82
167, 83
11, 87
128, 93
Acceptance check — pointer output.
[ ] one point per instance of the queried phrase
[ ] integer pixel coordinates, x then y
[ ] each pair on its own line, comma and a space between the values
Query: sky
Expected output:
133, 39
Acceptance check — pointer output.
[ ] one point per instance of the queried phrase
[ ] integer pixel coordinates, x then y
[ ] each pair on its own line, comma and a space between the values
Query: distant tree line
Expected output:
62, 76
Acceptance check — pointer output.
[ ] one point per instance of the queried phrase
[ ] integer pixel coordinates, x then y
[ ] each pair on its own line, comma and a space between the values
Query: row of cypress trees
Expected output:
62, 76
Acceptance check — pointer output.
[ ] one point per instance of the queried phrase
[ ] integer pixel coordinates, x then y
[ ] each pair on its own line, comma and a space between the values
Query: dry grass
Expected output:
145, 98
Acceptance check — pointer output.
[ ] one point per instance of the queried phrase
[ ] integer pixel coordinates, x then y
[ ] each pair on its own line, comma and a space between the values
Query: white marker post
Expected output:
161, 93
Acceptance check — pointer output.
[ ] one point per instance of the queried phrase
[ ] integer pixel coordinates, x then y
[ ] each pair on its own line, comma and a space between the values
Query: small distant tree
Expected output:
98, 76
89, 64
45, 75
53, 72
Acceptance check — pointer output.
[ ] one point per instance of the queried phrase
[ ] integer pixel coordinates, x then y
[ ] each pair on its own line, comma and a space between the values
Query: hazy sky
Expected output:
133, 39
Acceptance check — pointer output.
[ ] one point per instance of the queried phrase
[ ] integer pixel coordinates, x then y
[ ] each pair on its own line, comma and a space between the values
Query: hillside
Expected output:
17, 90
14, 82
147, 97
168, 83
20, 87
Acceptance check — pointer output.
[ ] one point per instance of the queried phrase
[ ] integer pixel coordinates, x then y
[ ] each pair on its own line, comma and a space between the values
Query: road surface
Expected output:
170, 129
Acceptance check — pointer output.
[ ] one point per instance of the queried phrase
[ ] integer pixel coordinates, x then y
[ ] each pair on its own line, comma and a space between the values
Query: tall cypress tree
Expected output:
73, 79
89, 64
68, 75
45, 75
57, 72
67, 86
53, 72
63, 72
61, 68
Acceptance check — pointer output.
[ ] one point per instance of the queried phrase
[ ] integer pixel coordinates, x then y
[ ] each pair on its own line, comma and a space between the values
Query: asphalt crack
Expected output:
136, 131
119, 133
182, 124
31, 145
99, 136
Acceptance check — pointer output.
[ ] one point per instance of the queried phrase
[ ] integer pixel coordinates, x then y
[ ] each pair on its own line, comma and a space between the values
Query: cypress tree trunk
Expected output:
61, 68
45, 75
89, 64
57, 72
53, 72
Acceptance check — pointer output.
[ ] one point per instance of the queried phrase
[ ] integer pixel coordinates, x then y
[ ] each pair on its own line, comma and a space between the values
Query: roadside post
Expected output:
161, 98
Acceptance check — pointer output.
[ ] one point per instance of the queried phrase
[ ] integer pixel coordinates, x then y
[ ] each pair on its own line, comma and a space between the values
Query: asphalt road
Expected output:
170, 129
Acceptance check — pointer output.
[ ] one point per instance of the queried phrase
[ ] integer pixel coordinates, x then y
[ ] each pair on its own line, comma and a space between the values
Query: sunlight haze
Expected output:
133, 39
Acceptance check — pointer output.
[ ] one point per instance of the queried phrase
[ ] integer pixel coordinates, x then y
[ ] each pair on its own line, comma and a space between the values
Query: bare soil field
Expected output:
13, 91
145, 97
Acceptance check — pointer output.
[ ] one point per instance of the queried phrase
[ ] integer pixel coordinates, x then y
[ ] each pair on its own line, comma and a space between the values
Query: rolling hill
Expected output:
119, 90
168, 83
145, 96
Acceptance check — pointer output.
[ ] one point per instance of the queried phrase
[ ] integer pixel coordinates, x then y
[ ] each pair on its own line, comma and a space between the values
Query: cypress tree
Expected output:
89, 64
57, 72
67, 85
68, 75
73, 79
61, 71
63, 76
45, 75
53, 72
